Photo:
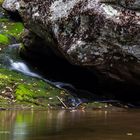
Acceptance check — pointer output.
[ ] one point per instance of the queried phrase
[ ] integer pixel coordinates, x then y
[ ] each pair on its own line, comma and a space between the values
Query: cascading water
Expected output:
23, 68
10, 60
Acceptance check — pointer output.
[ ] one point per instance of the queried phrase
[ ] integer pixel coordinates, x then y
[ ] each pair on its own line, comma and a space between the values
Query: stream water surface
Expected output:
70, 125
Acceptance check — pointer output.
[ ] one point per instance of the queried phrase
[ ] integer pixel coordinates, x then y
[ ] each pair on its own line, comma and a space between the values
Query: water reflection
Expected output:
69, 125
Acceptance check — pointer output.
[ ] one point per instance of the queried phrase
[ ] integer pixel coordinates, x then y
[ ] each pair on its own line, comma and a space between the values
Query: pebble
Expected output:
129, 134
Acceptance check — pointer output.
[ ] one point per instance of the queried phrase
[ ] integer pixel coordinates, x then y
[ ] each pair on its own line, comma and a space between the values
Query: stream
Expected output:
70, 125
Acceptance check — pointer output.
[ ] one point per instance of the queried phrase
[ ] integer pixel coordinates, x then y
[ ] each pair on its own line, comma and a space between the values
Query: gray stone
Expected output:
11, 5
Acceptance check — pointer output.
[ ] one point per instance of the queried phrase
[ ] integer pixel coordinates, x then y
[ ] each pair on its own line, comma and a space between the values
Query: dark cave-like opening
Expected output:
86, 82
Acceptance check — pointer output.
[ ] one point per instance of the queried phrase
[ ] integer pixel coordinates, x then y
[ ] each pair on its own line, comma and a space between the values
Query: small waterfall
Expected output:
23, 68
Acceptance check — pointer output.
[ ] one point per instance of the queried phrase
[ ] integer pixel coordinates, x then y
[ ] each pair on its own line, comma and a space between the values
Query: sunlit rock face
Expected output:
103, 35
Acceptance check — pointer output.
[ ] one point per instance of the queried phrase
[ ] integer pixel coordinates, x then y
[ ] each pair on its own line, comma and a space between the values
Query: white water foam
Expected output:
22, 67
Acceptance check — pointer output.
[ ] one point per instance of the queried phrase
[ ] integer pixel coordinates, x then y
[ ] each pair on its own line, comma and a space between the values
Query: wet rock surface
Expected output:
101, 35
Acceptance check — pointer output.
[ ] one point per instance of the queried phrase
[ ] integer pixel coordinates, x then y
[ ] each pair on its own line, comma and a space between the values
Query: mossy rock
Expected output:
16, 88
10, 31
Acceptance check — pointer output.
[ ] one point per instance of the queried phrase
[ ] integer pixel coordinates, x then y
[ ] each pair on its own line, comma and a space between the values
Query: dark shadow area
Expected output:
14, 16
86, 83
57, 69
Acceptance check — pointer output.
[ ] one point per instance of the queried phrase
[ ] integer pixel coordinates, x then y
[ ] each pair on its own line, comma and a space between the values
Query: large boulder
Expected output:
102, 35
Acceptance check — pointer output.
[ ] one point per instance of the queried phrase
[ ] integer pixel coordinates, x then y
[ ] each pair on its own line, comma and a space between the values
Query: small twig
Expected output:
62, 102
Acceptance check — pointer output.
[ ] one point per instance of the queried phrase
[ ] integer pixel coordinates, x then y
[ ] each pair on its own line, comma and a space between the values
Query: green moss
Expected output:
14, 29
9, 32
4, 39
29, 90
9, 27
4, 20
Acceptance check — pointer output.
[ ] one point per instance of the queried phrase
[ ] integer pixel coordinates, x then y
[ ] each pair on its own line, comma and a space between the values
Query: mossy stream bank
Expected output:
18, 91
